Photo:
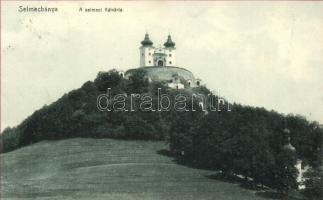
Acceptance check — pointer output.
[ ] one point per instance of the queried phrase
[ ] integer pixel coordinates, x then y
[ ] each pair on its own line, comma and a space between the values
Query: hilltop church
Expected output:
160, 65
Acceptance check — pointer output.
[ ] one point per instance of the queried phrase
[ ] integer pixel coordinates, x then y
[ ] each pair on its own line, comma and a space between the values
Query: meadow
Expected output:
81, 168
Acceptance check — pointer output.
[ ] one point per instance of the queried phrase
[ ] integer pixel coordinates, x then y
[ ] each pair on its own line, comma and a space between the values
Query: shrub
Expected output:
10, 139
314, 183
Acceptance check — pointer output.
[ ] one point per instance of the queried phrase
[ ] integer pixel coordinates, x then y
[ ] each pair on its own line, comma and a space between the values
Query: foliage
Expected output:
138, 82
10, 139
250, 142
246, 140
314, 183
106, 80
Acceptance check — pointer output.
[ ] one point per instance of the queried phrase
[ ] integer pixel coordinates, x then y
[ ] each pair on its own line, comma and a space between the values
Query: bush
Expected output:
106, 80
314, 183
10, 139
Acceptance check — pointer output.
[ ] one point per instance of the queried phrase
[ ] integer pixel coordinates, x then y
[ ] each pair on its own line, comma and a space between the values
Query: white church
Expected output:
152, 56
160, 65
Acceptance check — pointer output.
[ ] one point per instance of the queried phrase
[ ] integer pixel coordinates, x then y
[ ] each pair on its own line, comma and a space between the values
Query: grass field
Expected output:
107, 169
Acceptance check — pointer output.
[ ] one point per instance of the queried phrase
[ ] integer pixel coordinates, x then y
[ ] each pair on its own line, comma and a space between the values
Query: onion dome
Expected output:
147, 41
169, 42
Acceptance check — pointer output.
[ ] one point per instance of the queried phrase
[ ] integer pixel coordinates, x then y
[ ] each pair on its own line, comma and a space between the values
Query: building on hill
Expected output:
175, 82
160, 65
161, 56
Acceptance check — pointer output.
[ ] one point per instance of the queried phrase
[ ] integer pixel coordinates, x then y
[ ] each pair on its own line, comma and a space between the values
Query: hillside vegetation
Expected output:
248, 141
108, 169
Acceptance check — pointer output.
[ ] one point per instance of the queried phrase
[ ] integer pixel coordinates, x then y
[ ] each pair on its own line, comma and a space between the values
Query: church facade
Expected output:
159, 64
158, 57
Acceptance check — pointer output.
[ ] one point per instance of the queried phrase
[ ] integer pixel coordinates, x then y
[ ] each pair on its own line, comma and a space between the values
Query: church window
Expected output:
170, 55
149, 53
170, 62
149, 61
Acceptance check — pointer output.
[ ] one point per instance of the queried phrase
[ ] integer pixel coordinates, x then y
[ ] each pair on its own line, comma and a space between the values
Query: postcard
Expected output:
161, 100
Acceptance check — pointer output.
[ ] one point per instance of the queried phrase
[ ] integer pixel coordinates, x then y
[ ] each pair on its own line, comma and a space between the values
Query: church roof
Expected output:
169, 42
147, 41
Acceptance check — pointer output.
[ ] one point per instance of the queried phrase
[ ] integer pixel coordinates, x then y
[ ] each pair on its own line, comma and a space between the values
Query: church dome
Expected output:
169, 42
147, 41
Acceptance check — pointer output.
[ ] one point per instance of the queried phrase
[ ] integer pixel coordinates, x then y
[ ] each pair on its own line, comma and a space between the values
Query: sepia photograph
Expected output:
161, 100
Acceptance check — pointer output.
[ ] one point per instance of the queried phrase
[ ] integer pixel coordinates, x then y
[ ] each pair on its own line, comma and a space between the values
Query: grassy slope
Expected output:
107, 169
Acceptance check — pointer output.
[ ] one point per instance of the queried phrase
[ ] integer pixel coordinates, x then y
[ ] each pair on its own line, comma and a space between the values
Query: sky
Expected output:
265, 54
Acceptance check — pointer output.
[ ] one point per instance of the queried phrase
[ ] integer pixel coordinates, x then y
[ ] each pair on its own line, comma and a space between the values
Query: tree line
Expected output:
247, 141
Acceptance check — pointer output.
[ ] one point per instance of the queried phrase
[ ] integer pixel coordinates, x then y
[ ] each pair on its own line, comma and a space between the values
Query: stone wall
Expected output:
166, 73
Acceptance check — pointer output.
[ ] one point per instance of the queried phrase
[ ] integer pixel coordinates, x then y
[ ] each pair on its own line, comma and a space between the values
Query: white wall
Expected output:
145, 57
170, 60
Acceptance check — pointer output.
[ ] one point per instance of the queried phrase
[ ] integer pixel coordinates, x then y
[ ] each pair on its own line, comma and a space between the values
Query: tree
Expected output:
105, 80
10, 139
314, 183
285, 172
138, 82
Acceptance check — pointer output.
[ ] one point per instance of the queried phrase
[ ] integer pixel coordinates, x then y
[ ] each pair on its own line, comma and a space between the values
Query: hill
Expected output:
107, 169
260, 145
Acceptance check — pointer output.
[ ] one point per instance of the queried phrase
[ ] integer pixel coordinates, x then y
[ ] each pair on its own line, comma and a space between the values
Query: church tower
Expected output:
170, 51
146, 52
